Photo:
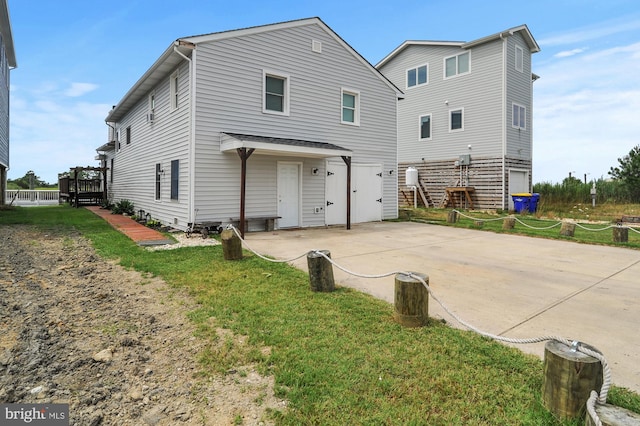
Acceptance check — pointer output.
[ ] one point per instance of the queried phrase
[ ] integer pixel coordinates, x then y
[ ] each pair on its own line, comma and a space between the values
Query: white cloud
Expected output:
50, 136
585, 112
567, 53
592, 32
79, 89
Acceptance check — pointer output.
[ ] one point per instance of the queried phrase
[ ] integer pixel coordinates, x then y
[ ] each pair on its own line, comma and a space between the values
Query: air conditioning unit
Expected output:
150, 117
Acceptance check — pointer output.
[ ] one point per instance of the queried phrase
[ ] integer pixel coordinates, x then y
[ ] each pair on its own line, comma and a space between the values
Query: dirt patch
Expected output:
113, 344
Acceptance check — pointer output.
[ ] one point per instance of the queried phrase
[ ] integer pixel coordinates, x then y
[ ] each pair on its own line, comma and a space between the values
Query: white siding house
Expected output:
466, 102
292, 99
7, 62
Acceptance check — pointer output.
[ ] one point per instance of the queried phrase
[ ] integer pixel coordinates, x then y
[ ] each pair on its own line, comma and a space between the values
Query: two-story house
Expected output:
7, 62
465, 123
283, 121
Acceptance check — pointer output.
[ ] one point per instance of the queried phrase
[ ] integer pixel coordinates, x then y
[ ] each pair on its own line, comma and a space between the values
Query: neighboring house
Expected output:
7, 63
286, 105
466, 120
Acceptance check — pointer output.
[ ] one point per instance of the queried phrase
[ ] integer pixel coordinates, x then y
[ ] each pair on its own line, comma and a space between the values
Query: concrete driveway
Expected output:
503, 284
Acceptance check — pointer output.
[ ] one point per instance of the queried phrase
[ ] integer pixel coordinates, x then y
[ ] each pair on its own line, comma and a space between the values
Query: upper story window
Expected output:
128, 135
173, 90
425, 127
152, 108
350, 107
519, 118
276, 93
519, 59
458, 64
456, 120
417, 76
159, 172
118, 139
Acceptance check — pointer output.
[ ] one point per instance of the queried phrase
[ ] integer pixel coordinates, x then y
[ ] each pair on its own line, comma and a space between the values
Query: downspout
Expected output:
192, 143
505, 197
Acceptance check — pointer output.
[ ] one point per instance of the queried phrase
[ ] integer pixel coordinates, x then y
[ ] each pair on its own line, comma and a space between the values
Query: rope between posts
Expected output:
550, 226
606, 371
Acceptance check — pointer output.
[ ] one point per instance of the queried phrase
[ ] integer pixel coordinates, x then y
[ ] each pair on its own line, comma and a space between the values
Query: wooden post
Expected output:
231, 245
569, 378
452, 217
411, 300
567, 229
320, 271
610, 415
620, 234
508, 223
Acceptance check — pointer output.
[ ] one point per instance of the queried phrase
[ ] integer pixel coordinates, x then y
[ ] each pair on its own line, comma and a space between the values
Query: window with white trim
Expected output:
458, 64
519, 117
152, 107
456, 120
276, 93
418, 76
425, 127
519, 59
173, 90
350, 107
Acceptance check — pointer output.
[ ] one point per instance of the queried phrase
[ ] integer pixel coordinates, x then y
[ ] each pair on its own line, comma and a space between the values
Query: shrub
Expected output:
123, 207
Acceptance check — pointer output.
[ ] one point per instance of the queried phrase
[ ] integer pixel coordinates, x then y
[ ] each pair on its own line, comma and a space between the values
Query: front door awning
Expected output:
231, 142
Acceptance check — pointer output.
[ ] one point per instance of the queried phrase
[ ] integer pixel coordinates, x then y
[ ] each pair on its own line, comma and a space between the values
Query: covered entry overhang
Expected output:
245, 145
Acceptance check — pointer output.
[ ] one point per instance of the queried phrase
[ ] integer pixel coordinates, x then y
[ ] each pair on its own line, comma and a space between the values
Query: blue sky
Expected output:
77, 58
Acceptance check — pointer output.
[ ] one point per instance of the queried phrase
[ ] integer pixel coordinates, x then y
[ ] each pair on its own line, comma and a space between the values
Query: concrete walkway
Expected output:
503, 284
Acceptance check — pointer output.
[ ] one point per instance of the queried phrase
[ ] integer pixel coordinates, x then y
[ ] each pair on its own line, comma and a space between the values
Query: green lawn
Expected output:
338, 358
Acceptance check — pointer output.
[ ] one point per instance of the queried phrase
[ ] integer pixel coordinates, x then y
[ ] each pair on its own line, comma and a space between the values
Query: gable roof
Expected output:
182, 48
523, 29
7, 37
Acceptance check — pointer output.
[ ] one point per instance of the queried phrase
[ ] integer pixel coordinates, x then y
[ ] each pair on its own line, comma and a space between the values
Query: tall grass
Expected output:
573, 190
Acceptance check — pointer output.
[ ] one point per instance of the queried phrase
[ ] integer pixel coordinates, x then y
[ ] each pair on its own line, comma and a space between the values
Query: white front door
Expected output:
289, 195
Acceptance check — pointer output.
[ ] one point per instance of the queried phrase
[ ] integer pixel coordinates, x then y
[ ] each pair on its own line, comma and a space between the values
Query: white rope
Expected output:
606, 371
547, 227
591, 408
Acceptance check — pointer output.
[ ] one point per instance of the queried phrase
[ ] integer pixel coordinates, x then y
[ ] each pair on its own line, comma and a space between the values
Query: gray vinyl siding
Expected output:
161, 142
519, 142
4, 109
229, 99
478, 93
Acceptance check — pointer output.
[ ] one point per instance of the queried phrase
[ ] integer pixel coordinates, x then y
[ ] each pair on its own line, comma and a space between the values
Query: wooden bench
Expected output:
629, 219
269, 221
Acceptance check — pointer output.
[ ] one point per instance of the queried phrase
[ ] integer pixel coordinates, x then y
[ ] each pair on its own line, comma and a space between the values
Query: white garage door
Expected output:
366, 193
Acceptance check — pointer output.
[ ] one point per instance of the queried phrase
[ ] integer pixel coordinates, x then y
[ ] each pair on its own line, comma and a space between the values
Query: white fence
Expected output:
35, 197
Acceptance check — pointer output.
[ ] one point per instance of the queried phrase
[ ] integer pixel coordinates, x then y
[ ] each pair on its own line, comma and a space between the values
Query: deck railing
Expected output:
32, 197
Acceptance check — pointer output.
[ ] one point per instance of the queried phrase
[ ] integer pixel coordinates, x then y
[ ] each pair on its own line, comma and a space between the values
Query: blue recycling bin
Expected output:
521, 202
533, 202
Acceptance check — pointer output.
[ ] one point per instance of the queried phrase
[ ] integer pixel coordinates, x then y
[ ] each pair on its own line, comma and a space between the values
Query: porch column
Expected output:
347, 161
244, 154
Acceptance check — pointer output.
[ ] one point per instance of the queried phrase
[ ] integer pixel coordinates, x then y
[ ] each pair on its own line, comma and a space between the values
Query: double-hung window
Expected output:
276, 93
350, 107
519, 59
458, 64
425, 127
128, 135
173, 90
519, 118
456, 120
417, 76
